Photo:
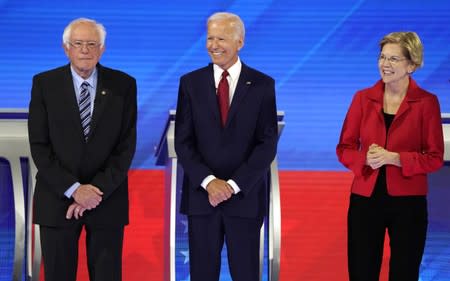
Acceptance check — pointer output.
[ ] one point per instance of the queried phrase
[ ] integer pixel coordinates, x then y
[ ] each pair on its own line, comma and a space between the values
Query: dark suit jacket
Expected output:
63, 158
241, 151
415, 133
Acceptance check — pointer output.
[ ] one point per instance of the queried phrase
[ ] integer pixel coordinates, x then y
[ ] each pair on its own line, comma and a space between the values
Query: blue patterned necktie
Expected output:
85, 109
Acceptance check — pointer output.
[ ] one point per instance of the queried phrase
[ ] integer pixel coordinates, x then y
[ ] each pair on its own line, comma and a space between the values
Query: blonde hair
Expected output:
410, 43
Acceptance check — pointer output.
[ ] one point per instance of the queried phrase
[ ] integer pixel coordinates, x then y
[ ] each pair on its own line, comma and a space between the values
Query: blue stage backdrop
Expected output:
319, 52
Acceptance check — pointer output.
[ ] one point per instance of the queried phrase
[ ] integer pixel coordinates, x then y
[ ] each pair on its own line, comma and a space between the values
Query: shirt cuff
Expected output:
71, 190
234, 186
207, 180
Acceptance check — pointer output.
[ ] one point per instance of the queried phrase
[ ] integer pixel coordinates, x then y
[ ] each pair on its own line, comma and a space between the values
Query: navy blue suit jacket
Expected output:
241, 151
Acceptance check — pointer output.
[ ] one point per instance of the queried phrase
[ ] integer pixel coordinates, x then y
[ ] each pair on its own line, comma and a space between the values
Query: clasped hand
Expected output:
377, 156
87, 197
218, 191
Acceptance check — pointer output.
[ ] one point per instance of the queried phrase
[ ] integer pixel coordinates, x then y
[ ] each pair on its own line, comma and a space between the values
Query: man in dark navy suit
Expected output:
225, 139
82, 132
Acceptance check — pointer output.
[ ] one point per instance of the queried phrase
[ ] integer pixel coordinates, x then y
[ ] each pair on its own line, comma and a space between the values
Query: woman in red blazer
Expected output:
391, 138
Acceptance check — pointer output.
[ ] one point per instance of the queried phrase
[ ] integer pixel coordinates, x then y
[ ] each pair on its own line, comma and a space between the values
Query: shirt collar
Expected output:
233, 71
78, 80
376, 92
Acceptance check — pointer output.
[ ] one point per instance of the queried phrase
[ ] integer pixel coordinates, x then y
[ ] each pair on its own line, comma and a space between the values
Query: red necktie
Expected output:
223, 93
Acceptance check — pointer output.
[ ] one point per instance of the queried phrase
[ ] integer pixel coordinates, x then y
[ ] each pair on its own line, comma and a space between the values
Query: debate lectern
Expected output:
446, 131
17, 181
176, 252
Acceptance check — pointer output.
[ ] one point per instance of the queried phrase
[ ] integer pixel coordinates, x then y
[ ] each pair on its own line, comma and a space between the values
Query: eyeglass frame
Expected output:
393, 60
79, 44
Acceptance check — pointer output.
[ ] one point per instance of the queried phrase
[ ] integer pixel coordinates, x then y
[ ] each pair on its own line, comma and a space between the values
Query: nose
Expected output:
84, 48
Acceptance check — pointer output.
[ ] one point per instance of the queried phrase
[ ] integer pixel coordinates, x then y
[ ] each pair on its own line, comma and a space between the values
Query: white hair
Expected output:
235, 21
68, 30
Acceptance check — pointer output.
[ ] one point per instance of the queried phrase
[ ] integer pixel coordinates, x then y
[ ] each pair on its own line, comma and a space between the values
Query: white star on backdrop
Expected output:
186, 256
185, 223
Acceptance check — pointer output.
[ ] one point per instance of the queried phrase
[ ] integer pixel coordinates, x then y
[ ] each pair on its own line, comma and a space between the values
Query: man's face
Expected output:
84, 49
222, 43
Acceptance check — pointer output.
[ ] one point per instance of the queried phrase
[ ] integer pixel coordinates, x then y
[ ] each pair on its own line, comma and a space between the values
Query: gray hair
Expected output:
100, 29
235, 21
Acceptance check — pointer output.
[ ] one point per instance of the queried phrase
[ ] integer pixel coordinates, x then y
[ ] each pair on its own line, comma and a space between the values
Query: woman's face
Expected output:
394, 67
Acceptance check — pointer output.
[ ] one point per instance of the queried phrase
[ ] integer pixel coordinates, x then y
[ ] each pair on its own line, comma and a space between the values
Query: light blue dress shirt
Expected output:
77, 81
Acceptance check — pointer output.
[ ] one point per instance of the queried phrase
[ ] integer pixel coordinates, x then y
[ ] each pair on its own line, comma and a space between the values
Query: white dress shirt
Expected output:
234, 71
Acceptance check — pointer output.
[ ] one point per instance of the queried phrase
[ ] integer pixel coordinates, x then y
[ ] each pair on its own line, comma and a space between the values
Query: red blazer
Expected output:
415, 133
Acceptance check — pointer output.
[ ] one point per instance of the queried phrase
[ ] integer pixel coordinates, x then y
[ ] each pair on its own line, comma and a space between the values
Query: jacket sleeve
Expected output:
115, 170
349, 150
185, 143
430, 158
49, 167
265, 144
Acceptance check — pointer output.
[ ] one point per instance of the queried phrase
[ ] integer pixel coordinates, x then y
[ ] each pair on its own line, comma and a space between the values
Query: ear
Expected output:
102, 49
66, 49
240, 43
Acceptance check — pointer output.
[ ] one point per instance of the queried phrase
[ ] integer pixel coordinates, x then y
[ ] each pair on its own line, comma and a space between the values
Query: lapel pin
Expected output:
248, 82
103, 93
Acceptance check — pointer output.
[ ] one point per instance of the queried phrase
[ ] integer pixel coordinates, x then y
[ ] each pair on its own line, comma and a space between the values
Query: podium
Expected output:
17, 174
446, 131
175, 228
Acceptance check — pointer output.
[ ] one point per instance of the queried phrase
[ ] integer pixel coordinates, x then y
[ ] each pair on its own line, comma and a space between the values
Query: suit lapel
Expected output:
412, 95
100, 102
375, 95
70, 99
211, 94
241, 91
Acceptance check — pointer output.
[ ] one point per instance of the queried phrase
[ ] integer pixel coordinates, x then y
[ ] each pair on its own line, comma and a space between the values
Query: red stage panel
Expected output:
313, 242
314, 217
143, 244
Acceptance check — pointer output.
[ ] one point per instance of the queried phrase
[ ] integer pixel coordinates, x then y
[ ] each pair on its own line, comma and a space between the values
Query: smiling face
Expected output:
84, 58
394, 67
223, 43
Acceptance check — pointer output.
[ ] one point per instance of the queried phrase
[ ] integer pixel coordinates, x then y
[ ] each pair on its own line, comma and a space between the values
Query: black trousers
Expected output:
207, 234
60, 252
406, 220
